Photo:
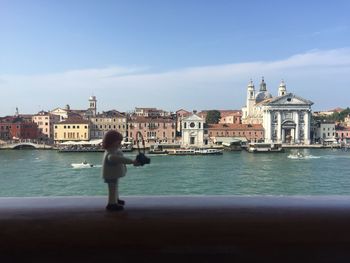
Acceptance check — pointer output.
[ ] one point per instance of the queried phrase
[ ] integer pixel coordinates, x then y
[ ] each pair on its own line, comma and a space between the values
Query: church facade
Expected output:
286, 118
193, 131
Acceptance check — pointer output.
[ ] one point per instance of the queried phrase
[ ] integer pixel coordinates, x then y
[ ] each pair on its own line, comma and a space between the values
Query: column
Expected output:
297, 128
268, 127
279, 127
307, 128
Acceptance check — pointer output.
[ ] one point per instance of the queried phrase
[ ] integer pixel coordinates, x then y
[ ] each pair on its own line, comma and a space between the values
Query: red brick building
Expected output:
17, 127
252, 132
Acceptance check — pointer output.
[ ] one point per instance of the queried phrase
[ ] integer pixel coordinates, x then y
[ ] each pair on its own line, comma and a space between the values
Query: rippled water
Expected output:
49, 173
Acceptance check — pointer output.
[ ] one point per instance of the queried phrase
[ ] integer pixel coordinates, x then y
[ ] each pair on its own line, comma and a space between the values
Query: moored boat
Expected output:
208, 151
260, 147
157, 149
198, 151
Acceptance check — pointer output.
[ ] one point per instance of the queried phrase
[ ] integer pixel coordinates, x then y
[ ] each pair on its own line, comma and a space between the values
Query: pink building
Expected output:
342, 134
227, 116
154, 130
231, 117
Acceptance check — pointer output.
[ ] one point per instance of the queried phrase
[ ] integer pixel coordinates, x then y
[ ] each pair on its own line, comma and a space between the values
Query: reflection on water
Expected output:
295, 172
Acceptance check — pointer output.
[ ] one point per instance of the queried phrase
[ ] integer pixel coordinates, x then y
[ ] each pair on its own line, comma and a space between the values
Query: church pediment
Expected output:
289, 99
193, 117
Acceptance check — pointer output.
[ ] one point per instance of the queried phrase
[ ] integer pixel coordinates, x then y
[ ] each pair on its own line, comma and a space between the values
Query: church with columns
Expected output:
286, 117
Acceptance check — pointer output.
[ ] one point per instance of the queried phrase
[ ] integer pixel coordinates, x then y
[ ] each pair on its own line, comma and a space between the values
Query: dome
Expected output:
262, 95
92, 98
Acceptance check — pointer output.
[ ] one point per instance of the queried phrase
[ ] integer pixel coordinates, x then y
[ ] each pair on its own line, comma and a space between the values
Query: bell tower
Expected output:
250, 98
92, 105
282, 90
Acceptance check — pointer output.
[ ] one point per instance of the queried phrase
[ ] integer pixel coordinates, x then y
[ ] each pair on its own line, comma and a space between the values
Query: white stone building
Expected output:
192, 131
325, 132
286, 118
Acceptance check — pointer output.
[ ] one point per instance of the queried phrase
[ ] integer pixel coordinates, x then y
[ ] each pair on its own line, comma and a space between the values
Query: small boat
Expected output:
260, 147
82, 165
297, 156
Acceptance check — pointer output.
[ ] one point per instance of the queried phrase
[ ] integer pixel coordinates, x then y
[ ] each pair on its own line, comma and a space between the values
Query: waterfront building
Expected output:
251, 132
72, 129
286, 118
155, 130
18, 128
193, 131
324, 132
109, 120
45, 122
342, 134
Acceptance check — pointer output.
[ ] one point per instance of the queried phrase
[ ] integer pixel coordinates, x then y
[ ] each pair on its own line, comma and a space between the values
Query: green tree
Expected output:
213, 117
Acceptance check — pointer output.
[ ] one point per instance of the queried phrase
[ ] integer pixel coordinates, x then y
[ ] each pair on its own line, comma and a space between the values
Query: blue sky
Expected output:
188, 54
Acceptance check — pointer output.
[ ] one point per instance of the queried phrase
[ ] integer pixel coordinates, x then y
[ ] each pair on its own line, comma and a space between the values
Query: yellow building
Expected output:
110, 120
72, 129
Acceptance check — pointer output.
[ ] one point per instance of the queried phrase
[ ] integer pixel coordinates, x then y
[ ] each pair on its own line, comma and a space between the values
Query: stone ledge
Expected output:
174, 228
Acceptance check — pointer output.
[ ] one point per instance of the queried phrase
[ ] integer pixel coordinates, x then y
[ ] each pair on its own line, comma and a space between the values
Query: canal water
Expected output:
25, 173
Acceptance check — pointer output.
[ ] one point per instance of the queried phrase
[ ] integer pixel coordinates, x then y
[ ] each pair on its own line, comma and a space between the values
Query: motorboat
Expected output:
82, 165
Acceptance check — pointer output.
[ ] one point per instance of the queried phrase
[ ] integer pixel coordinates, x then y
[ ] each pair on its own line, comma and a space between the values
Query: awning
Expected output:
92, 142
229, 140
329, 140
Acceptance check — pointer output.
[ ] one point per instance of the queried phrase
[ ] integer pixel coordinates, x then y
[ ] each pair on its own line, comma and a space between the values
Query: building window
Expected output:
192, 140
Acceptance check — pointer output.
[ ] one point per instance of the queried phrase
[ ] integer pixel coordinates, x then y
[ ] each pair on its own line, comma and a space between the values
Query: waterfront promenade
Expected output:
176, 229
